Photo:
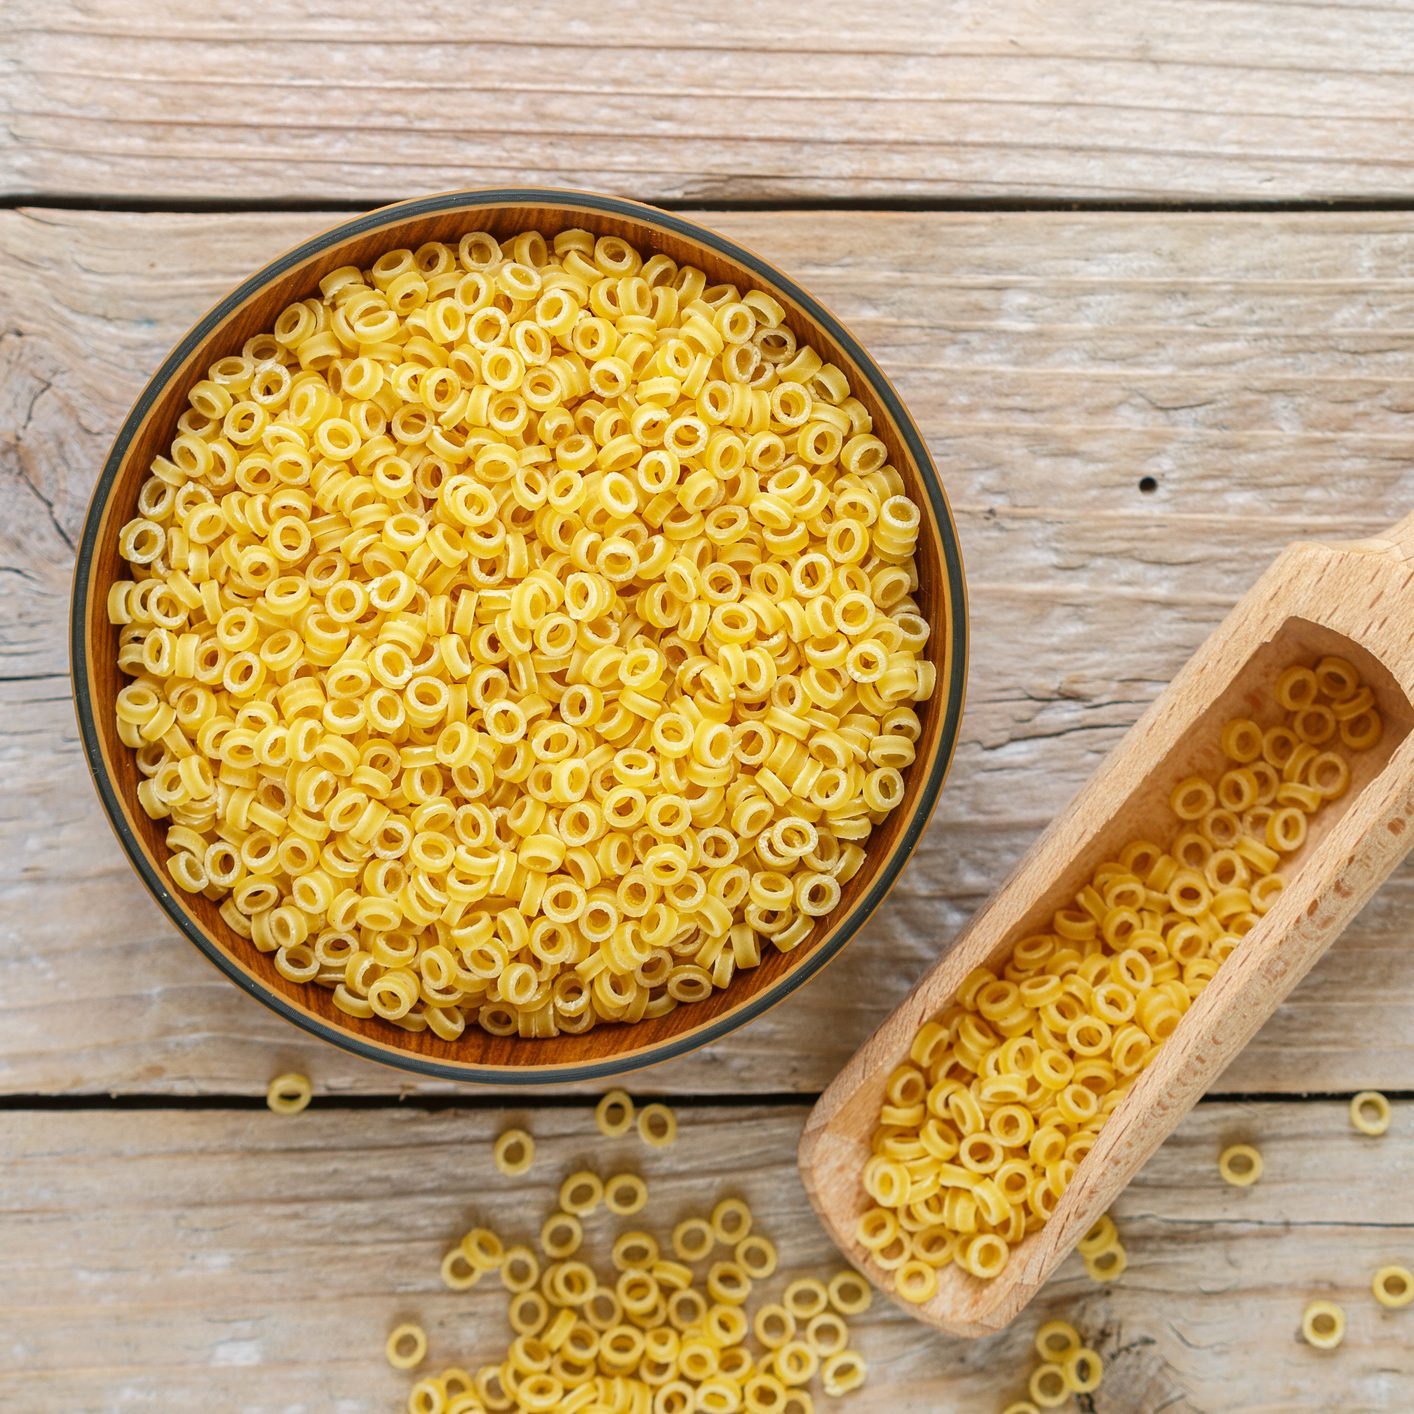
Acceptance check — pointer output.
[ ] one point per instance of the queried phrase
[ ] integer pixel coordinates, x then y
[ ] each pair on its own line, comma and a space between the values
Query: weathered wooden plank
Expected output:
242, 1259
1259, 369
1110, 99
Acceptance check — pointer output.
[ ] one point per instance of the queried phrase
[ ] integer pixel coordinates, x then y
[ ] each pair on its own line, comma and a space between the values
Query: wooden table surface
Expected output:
1143, 271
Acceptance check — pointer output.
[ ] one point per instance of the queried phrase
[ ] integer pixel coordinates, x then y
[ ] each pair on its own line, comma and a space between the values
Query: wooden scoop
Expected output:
1354, 600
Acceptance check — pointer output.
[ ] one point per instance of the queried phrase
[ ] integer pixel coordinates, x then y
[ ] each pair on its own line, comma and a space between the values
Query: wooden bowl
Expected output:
148, 431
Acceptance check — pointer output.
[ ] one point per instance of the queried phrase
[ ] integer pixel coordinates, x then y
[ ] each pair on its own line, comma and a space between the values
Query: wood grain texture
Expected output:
253, 1261
1107, 99
1261, 370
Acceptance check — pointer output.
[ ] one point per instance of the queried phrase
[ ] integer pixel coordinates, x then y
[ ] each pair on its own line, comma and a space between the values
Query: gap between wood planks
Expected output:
502, 1100
215, 206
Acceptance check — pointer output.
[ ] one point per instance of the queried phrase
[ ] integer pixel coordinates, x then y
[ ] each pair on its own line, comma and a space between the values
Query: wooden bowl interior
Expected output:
606, 1047
964, 1301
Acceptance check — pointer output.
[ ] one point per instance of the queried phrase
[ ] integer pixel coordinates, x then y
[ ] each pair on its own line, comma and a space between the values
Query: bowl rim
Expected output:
952, 691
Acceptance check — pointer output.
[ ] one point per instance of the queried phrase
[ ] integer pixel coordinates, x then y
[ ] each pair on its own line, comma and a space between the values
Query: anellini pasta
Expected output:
289, 1094
1240, 1165
1393, 1287
697, 1319
1370, 1112
521, 634
1066, 1367
985, 1124
1323, 1325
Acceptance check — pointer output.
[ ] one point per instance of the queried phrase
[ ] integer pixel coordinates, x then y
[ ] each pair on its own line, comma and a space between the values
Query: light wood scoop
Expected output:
1355, 600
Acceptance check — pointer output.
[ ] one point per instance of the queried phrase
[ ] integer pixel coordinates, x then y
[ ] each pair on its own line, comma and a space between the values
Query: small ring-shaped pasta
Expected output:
916, 1281
1056, 1339
1393, 1287
1240, 1165
1083, 1370
805, 1298
1323, 1325
290, 1093
842, 1373
1107, 1265
561, 1235
693, 1239
1103, 1235
514, 1152
657, 1126
407, 1346
625, 1194
581, 1192
614, 1114
756, 1256
731, 1221
458, 1274
1048, 1386
1370, 1112
849, 1293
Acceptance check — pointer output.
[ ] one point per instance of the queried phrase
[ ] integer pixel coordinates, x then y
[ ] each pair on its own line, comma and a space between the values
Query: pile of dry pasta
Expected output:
666, 1331
521, 634
1004, 1093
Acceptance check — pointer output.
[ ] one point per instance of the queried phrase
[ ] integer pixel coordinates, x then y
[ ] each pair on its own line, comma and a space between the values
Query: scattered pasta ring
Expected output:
407, 1346
1107, 1265
1083, 1370
1370, 1112
849, 1293
1047, 1386
514, 1152
289, 1093
1240, 1165
581, 1193
625, 1194
561, 1235
528, 1313
634, 1251
843, 1372
483, 1249
1393, 1287
693, 1239
657, 1126
826, 1334
773, 1325
756, 1256
795, 1363
1056, 1339
614, 1114
727, 1284
520, 1269
427, 1396
458, 1274
731, 1221
1323, 1325
805, 1298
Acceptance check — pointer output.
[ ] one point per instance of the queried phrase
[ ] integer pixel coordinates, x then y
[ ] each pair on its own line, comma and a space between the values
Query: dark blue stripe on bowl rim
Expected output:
954, 688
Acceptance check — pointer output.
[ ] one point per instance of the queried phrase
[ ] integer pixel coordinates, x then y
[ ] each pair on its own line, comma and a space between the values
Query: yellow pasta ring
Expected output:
1393, 1287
